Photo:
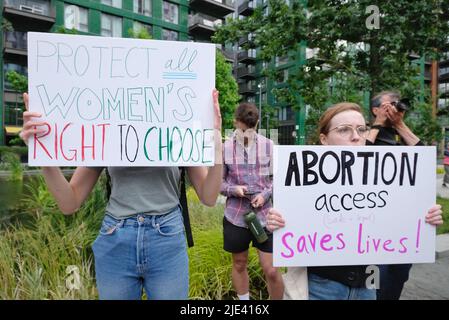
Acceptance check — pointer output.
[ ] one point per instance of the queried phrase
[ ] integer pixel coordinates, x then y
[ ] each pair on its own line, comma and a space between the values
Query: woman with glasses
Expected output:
343, 124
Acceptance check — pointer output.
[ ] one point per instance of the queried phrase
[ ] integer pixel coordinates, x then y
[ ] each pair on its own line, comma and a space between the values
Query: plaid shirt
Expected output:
250, 167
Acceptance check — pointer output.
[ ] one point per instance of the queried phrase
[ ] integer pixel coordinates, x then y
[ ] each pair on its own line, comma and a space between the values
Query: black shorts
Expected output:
237, 239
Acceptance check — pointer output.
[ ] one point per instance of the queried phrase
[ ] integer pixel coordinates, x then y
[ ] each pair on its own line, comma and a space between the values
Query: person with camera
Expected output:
247, 184
389, 128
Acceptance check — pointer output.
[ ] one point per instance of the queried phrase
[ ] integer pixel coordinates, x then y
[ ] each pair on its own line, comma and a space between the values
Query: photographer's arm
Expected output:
397, 119
406, 134
381, 117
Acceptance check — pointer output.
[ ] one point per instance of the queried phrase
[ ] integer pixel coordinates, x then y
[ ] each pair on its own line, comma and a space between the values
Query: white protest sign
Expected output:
354, 205
121, 102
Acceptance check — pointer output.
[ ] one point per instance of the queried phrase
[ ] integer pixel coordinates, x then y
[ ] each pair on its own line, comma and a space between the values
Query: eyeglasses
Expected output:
346, 130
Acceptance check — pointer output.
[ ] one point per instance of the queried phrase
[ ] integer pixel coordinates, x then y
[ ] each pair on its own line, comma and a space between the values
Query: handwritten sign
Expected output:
121, 102
354, 205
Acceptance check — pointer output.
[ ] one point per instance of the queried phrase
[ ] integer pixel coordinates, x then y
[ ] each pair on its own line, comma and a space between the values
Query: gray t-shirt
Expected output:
144, 190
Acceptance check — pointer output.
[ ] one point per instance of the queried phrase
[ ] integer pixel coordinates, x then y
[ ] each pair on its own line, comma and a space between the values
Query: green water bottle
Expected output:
255, 227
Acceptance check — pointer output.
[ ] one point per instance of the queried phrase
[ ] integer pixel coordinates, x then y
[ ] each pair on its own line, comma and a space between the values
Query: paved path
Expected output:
442, 191
430, 281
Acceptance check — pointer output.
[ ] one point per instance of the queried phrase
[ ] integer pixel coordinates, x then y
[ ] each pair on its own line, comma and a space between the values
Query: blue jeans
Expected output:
325, 289
392, 280
143, 251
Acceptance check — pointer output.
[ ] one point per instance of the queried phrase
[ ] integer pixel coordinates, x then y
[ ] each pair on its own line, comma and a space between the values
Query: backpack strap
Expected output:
185, 208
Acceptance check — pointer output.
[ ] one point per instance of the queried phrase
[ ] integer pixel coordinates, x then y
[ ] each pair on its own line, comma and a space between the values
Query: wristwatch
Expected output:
376, 126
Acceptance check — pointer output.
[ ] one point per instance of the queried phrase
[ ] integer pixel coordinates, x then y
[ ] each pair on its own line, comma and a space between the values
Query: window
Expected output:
113, 3
282, 77
143, 7
111, 26
169, 35
170, 12
282, 114
265, 11
252, 53
137, 26
76, 18
251, 85
16, 39
281, 60
13, 113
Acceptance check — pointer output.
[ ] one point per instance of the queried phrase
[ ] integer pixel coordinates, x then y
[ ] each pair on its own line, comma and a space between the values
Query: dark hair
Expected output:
376, 100
329, 114
248, 114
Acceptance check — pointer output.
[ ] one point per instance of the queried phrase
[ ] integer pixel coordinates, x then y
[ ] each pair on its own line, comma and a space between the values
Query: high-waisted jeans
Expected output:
142, 252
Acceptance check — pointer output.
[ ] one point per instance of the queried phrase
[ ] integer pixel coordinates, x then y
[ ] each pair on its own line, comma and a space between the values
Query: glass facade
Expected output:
111, 26
170, 12
76, 17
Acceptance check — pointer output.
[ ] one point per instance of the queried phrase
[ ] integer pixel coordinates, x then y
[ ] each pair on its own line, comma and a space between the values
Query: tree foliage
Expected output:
227, 86
346, 45
142, 33
19, 82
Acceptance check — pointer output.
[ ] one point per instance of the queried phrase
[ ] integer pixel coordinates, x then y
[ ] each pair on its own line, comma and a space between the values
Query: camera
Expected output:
401, 105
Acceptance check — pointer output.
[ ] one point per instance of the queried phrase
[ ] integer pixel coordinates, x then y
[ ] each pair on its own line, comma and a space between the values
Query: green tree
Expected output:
64, 30
18, 81
347, 45
142, 33
227, 86
6, 25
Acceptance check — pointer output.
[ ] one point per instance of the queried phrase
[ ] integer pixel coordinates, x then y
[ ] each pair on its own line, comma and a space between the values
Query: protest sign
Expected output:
354, 205
121, 102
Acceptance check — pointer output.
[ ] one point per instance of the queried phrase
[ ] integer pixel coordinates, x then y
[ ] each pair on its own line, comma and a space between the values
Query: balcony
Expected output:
248, 39
15, 43
202, 27
444, 77
14, 115
248, 72
247, 8
246, 57
229, 55
215, 8
24, 11
247, 88
443, 92
444, 62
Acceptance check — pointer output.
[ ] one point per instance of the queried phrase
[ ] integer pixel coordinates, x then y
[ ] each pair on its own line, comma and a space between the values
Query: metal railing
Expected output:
204, 20
41, 7
16, 40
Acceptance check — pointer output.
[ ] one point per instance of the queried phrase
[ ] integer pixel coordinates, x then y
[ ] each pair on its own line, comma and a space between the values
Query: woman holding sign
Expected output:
141, 244
342, 125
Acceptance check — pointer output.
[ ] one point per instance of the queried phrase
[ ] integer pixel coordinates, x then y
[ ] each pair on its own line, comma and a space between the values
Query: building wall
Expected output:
95, 9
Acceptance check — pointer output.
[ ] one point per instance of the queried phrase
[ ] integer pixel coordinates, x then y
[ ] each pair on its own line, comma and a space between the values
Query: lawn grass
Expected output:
34, 256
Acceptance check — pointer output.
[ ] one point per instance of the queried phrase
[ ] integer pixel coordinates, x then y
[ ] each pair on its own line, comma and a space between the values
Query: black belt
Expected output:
351, 276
